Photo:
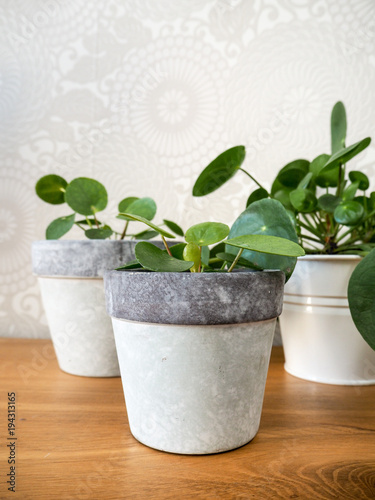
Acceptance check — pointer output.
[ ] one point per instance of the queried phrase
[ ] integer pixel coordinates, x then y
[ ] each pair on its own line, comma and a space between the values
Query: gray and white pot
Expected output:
70, 275
194, 350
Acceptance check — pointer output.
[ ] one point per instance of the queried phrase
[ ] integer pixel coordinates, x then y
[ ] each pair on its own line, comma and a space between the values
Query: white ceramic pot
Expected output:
70, 274
194, 366
321, 342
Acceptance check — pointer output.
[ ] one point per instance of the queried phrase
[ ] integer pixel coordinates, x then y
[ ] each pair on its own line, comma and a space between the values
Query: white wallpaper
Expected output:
142, 94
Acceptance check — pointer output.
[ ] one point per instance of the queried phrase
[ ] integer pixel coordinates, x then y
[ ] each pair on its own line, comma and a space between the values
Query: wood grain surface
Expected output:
315, 441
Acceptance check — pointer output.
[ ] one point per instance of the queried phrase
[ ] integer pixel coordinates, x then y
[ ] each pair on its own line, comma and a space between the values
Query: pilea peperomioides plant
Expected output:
254, 251
86, 197
328, 205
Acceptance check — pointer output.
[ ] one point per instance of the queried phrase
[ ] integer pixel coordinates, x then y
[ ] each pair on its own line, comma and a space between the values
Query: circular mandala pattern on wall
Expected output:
170, 96
279, 106
17, 212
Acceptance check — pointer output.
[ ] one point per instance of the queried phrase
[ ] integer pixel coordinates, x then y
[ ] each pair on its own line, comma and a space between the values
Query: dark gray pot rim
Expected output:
80, 258
194, 298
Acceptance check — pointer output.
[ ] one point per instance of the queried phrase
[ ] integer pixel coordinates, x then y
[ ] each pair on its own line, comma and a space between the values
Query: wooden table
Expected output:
73, 441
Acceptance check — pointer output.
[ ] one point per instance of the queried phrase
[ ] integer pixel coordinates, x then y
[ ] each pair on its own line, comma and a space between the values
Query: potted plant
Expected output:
194, 328
328, 325
70, 272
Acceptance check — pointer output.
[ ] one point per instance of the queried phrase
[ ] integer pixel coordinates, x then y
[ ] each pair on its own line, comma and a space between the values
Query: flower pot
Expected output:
194, 351
70, 275
321, 342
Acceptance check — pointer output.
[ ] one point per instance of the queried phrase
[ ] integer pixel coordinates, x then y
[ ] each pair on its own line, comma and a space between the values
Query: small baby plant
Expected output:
196, 256
85, 198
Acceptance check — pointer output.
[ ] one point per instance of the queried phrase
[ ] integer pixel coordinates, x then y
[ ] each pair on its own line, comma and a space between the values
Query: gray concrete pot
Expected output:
70, 275
194, 350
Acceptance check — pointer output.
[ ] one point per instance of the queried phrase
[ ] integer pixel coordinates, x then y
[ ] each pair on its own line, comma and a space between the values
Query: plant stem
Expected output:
88, 222
124, 231
96, 221
252, 178
304, 236
200, 260
310, 228
235, 260
166, 245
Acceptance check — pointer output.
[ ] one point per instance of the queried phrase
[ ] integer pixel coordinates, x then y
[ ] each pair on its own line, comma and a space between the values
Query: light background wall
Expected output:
142, 94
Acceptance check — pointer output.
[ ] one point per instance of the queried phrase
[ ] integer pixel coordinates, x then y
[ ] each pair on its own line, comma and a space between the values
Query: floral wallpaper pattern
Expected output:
142, 94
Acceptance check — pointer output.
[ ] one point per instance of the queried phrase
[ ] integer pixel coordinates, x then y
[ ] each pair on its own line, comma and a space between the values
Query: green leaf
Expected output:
219, 171
146, 235
361, 296
267, 244
265, 217
86, 196
293, 173
206, 233
350, 192
361, 178
344, 155
205, 256
283, 197
155, 259
142, 207
328, 202
305, 181
338, 127
257, 195
303, 200
348, 213
153, 226
59, 227
51, 189
133, 264
177, 250
98, 233
327, 179
192, 253
123, 205
175, 228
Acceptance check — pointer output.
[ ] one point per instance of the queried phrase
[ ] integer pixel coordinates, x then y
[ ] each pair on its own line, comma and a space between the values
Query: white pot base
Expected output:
193, 389
332, 381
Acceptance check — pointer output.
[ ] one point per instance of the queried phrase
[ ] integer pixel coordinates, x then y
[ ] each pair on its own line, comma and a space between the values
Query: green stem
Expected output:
124, 231
200, 260
96, 221
310, 228
79, 225
223, 266
305, 237
235, 260
166, 245
88, 222
252, 178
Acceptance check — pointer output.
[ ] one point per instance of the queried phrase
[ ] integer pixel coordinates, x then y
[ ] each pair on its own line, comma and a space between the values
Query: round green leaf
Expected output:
59, 227
361, 178
283, 197
177, 250
265, 217
143, 207
86, 196
148, 223
257, 195
327, 179
348, 213
303, 200
328, 202
145, 235
293, 173
51, 188
267, 244
175, 228
219, 171
98, 233
338, 127
361, 296
206, 233
350, 192
345, 154
155, 259
192, 253
123, 205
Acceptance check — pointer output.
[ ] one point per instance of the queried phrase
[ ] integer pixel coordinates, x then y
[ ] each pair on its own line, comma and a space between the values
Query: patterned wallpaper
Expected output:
142, 94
